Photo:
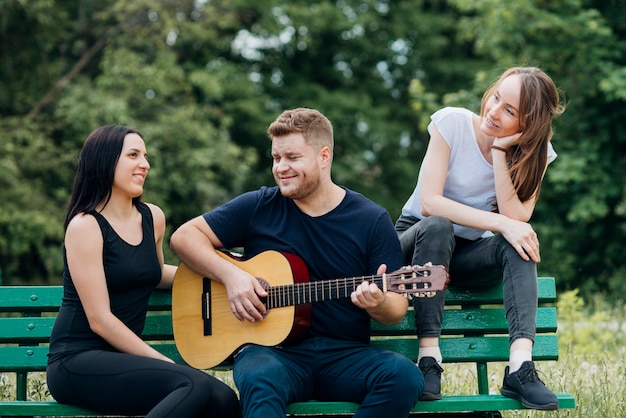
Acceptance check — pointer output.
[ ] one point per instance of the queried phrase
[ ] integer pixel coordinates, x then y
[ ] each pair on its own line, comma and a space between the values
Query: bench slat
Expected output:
159, 325
35, 358
473, 349
455, 296
449, 404
54, 409
30, 298
23, 359
461, 403
491, 321
48, 299
35, 329
454, 350
29, 329
470, 321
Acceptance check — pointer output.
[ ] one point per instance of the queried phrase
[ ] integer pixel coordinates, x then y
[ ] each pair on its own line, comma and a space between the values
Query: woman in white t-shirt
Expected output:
476, 191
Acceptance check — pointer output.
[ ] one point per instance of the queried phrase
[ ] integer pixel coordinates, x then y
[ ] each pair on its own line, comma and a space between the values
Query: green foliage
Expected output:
592, 361
585, 333
30, 214
137, 79
37, 388
7, 387
354, 60
203, 80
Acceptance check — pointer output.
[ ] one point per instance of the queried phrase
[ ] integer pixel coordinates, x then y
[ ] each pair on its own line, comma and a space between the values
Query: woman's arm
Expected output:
84, 244
432, 201
509, 203
167, 270
434, 172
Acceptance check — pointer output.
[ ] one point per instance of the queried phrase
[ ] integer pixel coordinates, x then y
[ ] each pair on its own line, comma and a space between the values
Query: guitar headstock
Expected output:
420, 280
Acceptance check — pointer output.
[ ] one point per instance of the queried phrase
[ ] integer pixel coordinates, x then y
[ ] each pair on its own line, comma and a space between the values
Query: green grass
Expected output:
592, 364
592, 360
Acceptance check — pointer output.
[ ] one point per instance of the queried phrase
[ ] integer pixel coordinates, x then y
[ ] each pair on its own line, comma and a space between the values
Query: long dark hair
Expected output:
98, 158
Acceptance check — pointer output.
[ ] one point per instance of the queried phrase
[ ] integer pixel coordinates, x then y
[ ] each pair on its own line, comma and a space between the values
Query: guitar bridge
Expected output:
206, 306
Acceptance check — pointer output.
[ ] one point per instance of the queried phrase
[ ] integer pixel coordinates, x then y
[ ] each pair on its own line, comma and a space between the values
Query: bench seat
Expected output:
474, 331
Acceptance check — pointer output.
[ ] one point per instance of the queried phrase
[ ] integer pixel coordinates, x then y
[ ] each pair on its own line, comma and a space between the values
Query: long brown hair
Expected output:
540, 102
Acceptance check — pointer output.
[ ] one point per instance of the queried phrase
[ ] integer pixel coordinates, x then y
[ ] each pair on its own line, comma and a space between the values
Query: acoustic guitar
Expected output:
207, 333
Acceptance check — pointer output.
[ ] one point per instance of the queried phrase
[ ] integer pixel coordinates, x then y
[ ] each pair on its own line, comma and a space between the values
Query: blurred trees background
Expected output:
203, 79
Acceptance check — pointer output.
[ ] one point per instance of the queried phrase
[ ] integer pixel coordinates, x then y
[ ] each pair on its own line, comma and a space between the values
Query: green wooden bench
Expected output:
475, 331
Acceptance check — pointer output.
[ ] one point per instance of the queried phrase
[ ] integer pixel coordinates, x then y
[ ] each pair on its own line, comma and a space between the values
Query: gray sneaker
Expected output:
431, 370
525, 386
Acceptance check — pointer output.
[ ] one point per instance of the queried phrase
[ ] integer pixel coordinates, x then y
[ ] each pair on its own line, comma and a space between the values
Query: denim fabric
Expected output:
385, 383
472, 264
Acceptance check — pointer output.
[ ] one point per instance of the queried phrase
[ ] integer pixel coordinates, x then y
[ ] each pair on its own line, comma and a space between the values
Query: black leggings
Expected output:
125, 384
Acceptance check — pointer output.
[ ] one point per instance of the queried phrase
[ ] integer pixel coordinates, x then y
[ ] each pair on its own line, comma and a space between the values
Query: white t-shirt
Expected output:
470, 178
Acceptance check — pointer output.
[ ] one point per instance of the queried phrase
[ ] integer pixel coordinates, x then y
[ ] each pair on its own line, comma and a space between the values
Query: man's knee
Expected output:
405, 374
409, 382
255, 364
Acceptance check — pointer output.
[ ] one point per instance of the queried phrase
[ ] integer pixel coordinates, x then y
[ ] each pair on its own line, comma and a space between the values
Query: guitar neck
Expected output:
317, 291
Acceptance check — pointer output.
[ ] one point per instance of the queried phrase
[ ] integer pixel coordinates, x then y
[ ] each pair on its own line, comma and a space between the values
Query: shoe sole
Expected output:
427, 396
516, 395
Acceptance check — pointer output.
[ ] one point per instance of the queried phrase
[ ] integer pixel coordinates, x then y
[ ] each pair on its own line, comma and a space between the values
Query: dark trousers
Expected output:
125, 384
385, 383
472, 264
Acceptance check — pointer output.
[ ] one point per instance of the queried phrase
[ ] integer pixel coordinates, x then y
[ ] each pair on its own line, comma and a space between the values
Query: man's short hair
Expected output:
313, 125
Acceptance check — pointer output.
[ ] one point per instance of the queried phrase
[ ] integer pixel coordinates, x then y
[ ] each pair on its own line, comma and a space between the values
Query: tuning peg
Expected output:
426, 294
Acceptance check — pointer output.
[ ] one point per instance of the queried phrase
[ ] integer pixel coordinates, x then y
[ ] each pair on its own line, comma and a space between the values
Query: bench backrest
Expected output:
474, 328
27, 314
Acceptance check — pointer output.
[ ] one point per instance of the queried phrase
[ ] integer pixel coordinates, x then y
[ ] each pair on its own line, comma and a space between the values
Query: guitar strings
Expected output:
317, 291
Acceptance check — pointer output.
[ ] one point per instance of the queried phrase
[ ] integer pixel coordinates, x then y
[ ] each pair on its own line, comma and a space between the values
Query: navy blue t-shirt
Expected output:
352, 240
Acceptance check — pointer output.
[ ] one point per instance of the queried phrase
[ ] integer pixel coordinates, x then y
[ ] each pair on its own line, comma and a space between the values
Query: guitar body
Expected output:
206, 331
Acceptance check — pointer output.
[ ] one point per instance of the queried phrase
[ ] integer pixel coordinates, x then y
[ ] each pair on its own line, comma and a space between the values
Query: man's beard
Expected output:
304, 189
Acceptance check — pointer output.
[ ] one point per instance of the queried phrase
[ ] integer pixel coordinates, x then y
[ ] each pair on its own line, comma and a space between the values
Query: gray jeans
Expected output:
471, 264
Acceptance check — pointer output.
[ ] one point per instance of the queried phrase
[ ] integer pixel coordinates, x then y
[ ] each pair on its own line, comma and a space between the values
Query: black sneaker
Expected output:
525, 386
431, 370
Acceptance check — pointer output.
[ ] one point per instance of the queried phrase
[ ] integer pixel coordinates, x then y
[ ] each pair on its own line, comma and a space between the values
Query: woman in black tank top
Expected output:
113, 259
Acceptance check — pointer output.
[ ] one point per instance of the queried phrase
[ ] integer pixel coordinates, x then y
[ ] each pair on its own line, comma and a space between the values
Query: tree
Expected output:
203, 79
188, 76
114, 63
354, 61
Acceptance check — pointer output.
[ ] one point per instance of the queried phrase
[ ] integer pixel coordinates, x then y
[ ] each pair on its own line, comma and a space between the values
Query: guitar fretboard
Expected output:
296, 294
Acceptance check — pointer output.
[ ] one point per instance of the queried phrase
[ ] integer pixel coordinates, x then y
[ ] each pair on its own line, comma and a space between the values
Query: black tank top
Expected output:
132, 272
